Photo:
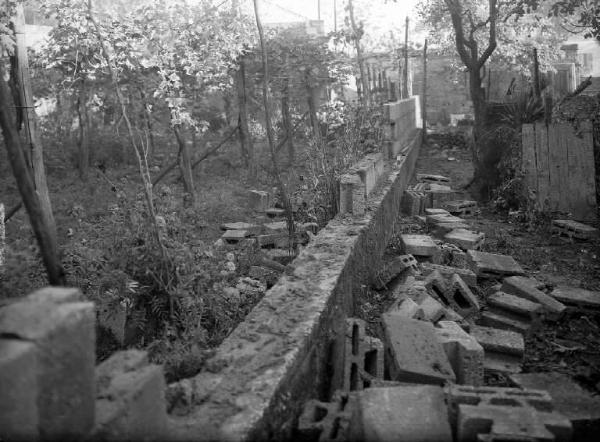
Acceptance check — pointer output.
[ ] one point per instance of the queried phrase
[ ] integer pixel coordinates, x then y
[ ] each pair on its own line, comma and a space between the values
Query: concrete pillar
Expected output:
62, 330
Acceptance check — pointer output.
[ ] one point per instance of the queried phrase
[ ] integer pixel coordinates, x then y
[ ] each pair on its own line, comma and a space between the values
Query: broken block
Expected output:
461, 208
419, 245
524, 288
131, 401
576, 297
460, 297
432, 211
329, 421
412, 413
252, 229
573, 229
63, 333
393, 268
234, 236
259, 200
505, 321
530, 311
503, 348
431, 309
435, 220
352, 195
18, 390
273, 212
276, 226
406, 308
447, 271
363, 357
435, 283
465, 239
440, 230
413, 202
494, 414
465, 354
581, 407
430, 178
415, 355
490, 265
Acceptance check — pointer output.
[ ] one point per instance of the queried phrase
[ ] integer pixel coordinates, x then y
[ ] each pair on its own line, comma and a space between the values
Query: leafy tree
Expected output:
585, 13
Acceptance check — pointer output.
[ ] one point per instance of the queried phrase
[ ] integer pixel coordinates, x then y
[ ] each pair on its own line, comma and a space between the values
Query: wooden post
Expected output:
536, 74
424, 102
405, 71
359, 55
30, 120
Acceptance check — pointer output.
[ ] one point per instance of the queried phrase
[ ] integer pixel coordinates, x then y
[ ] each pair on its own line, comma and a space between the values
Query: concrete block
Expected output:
276, 227
577, 297
465, 354
274, 212
415, 355
279, 255
461, 208
505, 321
499, 341
431, 309
490, 265
434, 220
539, 400
18, 390
363, 357
432, 211
460, 297
465, 239
234, 236
419, 245
55, 295
437, 285
430, 178
393, 268
130, 399
259, 200
406, 308
573, 229
412, 413
440, 194
516, 305
329, 421
447, 271
413, 202
553, 309
352, 195
64, 337
568, 398
440, 230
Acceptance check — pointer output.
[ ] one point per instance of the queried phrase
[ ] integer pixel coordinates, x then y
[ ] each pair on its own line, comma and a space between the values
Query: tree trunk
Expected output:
44, 232
83, 157
246, 144
33, 141
365, 97
185, 165
287, 120
312, 109
148, 121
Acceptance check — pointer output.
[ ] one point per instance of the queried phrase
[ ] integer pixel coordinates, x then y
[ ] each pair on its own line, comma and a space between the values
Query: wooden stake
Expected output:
424, 107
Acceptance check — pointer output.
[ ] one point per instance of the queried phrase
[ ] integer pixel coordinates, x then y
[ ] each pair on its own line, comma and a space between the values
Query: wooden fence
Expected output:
558, 162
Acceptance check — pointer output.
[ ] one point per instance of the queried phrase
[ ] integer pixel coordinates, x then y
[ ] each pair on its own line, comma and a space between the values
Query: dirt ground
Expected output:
570, 346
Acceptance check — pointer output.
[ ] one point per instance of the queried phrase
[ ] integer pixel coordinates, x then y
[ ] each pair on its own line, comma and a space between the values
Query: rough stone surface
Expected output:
419, 245
413, 413
415, 354
64, 335
465, 354
569, 399
130, 399
18, 390
280, 356
465, 239
486, 265
521, 287
447, 271
577, 297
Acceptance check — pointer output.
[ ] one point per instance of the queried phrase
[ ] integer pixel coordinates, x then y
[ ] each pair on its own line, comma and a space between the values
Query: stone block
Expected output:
553, 309
461, 208
431, 309
447, 271
576, 297
352, 195
363, 357
415, 355
64, 336
55, 295
465, 354
498, 341
276, 227
406, 308
130, 401
460, 297
412, 203
419, 245
329, 421
279, 255
432, 211
259, 200
252, 229
234, 236
568, 398
440, 230
490, 265
113, 316
430, 178
516, 305
274, 212
18, 390
539, 400
573, 229
393, 268
437, 285
413, 413
465, 239
434, 220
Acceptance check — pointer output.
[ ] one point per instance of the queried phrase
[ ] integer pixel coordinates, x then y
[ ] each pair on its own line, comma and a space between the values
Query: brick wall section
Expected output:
285, 352
402, 118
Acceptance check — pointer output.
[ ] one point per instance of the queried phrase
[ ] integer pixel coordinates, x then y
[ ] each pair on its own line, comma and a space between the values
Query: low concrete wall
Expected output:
285, 351
403, 119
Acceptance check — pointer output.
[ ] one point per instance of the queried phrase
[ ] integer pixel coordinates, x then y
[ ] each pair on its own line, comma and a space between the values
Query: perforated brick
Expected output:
328, 421
465, 354
363, 357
